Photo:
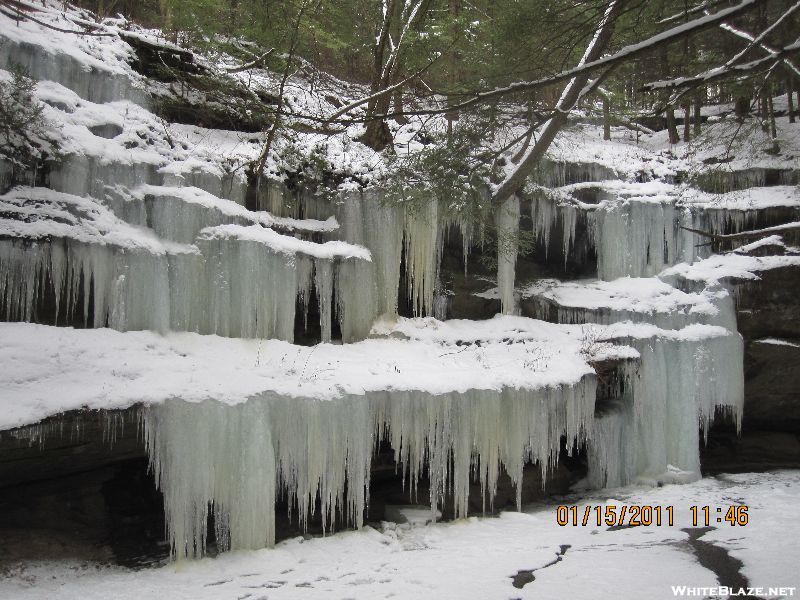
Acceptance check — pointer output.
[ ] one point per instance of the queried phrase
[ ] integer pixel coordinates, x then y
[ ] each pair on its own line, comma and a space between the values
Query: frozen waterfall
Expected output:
234, 460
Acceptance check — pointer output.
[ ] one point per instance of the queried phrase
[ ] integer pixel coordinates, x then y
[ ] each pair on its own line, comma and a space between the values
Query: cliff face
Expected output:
196, 351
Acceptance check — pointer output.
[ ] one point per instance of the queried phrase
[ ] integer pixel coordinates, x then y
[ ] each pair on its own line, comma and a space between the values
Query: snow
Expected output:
776, 342
41, 213
730, 266
639, 299
475, 558
285, 244
53, 369
771, 241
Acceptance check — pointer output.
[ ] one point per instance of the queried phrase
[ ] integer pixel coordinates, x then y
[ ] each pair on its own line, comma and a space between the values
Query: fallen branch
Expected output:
746, 235
22, 15
252, 64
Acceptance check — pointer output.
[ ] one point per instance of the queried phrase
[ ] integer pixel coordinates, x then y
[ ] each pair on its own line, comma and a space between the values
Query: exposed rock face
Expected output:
772, 385
74, 487
769, 320
752, 451
770, 307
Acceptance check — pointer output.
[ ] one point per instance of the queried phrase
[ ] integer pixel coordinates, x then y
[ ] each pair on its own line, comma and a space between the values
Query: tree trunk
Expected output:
386, 69
797, 103
698, 116
687, 120
378, 136
397, 107
789, 92
742, 107
773, 130
570, 95
606, 117
672, 127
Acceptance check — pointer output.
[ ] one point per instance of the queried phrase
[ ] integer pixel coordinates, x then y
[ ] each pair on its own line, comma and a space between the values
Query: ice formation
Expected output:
507, 222
726, 180
681, 379
235, 280
150, 237
423, 250
369, 221
639, 239
236, 460
554, 174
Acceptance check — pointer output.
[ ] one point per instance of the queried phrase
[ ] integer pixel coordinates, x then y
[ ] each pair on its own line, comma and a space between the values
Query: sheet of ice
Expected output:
681, 380
237, 281
507, 223
475, 558
235, 460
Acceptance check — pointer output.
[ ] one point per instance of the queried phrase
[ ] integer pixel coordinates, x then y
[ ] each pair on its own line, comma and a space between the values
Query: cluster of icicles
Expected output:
232, 288
634, 238
681, 380
220, 276
236, 460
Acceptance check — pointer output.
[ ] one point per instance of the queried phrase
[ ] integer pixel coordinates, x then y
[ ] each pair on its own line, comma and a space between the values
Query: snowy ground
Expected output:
479, 557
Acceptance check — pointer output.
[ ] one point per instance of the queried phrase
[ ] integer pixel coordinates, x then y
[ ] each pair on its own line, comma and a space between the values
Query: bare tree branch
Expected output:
624, 55
726, 72
576, 87
258, 61
746, 235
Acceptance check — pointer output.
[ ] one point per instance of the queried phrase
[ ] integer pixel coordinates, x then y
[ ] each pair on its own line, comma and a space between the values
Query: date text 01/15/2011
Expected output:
646, 515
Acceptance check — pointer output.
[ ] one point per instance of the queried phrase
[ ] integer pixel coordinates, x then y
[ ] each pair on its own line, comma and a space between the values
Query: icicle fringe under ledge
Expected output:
235, 460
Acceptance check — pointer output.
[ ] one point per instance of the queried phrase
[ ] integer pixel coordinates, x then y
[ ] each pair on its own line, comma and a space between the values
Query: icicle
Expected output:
640, 239
323, 282
569, 219
553, 174
680, 381
423, 247
305, 279
252, 290
128, 288
543, 215
234, 459
355, 298
175, 219
507, 224
369, 221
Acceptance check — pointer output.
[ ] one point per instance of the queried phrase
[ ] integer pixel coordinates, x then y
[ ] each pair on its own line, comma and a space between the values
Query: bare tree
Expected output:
399, 16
